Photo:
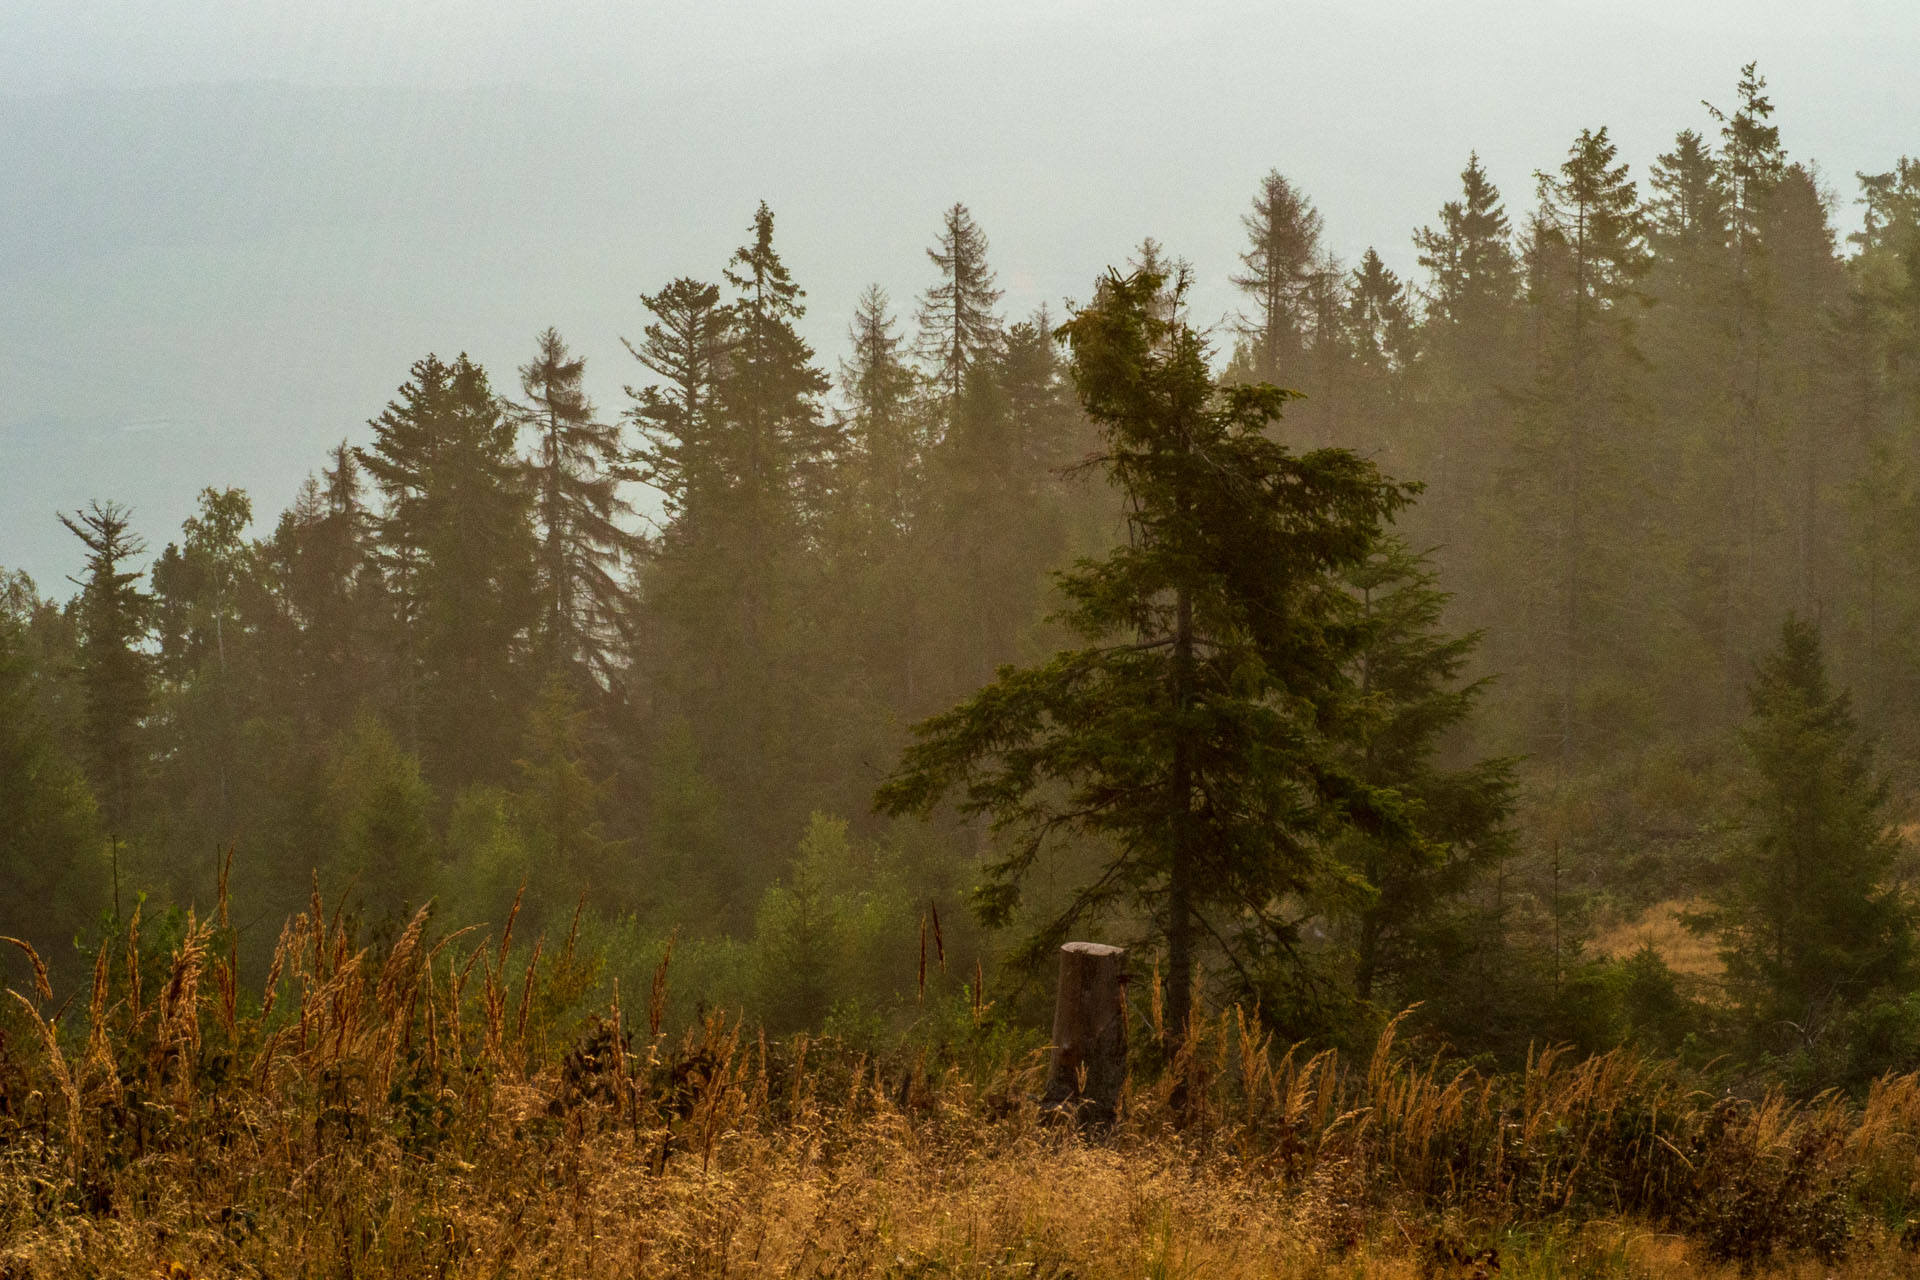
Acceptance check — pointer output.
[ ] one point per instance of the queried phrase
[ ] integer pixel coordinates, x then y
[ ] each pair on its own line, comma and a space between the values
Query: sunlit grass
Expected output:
443, 1111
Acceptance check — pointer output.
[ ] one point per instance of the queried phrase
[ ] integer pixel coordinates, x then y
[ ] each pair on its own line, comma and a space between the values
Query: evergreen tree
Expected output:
1892, 207
1473, 274
686, 346
575, 474
1750, 164
116, 673
1879, 395
1808, 285
1586, 257
748, 491
881, 500
455, 544
1188, 730
995, 522
1380, 344
1470, 367
1688, 221
884, 434
1409, 927
561, 803
783, 445
50, 850
1280, 260
1809, 925
958, 329
329, 592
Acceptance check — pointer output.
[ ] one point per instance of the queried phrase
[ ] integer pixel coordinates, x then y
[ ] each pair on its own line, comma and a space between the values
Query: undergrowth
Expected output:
447, 1108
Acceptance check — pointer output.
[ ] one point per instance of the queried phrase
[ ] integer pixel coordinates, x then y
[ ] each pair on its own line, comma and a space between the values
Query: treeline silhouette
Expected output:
652, 660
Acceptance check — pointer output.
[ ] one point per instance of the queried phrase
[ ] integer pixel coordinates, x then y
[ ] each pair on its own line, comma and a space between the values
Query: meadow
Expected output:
466, 1106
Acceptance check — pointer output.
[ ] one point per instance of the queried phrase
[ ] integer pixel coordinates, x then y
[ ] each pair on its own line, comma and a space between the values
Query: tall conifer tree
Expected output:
456, 544
1588, 254
116, 674
580, 515
1186, 729
1280, 260
958, 327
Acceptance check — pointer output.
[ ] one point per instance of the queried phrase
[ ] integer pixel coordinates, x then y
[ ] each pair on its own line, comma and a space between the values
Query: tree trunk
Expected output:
1088, 1066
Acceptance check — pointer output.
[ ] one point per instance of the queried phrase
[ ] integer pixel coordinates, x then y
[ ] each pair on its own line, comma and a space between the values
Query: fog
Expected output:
226, 228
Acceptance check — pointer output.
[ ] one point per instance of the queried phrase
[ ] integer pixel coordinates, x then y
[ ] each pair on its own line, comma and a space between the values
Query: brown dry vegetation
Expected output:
439, 1112
1686, 952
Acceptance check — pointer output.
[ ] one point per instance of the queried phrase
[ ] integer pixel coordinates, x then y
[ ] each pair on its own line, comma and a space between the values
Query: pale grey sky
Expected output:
228, 226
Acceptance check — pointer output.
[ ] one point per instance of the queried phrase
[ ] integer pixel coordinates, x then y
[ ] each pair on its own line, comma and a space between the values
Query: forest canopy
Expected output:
1563, 680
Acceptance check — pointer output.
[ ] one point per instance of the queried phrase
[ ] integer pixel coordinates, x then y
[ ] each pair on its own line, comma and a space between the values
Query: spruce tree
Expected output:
748, 474
1689, 224
1280, 260
1187, 733
1471, 364
995, 518
50, 848
1891, 207
1586, 257
455, 544
329, 593
1380, 340
1809, 925
116, 673
1408, 929
958, 327
1879, 394
884, 433
782, 445
1473, 274
580, 516
881, 501
685, 346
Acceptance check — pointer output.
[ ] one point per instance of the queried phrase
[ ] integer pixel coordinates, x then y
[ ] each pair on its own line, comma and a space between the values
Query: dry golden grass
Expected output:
436, 1113
1687, 953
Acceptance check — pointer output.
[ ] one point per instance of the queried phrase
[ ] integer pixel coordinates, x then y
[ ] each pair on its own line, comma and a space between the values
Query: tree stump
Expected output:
1088, 1066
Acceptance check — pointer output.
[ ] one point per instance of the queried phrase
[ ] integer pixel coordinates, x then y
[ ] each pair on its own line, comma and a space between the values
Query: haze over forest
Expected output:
1360, 562
1098, 639
220, 221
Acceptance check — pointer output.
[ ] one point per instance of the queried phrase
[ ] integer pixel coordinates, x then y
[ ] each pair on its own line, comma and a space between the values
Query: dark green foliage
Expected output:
455, 549
958, 329
581, 518
1809, 925
1188, 733
116, 673
1410, 925
460, 661
684, 346
1283, 244
52, 859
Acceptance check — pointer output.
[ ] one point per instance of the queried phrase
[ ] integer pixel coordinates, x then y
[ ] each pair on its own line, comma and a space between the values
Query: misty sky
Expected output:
228, 226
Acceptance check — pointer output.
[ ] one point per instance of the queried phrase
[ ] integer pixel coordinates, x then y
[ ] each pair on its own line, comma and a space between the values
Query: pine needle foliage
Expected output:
1190, 730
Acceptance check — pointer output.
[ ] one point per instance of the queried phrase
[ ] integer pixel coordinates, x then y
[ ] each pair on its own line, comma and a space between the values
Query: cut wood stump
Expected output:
1088, 1067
